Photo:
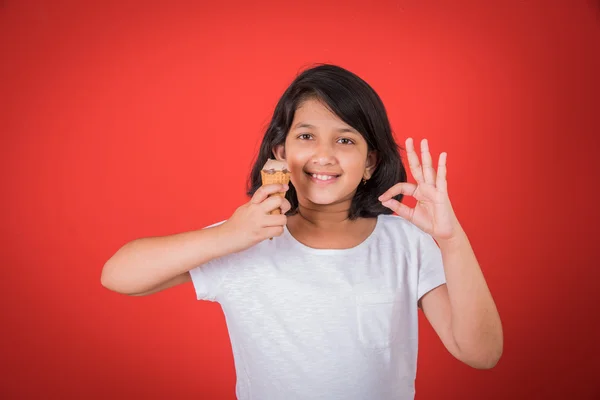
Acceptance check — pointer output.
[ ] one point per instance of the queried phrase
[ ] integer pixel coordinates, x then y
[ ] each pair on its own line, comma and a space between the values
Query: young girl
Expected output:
328, 308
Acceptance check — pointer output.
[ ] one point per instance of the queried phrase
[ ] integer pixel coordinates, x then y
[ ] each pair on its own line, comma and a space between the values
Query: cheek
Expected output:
294, 164
296, 156
353, 164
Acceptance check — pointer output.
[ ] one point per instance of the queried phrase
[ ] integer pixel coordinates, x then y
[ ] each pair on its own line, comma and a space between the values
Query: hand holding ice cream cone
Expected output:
275, 171
255, 221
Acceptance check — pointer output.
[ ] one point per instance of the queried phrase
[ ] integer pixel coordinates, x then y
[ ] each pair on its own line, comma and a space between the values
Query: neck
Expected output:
328, 227
329, 218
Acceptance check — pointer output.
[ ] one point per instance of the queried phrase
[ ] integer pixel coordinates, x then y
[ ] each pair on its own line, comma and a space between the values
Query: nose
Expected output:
323, 155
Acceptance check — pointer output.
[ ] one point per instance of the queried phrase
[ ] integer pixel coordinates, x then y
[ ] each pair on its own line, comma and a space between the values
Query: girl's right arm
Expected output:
148, 265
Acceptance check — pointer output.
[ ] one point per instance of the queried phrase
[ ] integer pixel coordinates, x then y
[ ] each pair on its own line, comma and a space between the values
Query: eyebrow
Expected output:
301, 125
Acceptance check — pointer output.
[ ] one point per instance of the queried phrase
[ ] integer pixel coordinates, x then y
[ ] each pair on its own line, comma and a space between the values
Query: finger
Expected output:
428, 171
272, 203
441, 183
265, 191
286, 206
405, 188
275, 220
413, 161
402, 210
273, 231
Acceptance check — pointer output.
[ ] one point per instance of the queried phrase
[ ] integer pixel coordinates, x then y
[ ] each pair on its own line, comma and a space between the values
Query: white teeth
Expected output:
322, 177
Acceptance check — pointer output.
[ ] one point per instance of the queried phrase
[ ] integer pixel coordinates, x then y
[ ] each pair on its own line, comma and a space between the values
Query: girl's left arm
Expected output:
462, 311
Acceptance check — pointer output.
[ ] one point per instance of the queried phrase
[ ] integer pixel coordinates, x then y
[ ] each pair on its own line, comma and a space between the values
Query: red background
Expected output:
114, 114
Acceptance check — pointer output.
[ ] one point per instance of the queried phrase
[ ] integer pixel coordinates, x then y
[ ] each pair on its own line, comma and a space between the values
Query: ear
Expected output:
279, 152
371, 164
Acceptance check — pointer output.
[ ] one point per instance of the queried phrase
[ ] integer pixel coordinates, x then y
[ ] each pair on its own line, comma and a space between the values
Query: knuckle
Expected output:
268, 188
278, 188
255, 198
259, 192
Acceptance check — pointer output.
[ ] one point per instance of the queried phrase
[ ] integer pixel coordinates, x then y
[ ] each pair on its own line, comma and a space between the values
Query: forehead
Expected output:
313, 110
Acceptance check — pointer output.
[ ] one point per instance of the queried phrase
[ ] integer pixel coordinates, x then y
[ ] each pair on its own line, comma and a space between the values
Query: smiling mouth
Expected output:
323, 178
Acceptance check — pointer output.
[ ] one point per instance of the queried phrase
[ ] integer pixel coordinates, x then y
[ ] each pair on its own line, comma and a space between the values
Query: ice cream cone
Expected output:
270, 177
275, 171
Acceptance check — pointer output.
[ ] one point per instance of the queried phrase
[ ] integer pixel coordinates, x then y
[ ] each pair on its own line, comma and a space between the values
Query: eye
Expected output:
345, 141
305, 136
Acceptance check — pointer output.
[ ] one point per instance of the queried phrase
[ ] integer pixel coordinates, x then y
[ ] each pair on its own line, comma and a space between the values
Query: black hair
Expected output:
356, 103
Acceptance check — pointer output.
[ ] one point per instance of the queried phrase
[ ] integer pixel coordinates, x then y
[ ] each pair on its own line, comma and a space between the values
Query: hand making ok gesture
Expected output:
433, 212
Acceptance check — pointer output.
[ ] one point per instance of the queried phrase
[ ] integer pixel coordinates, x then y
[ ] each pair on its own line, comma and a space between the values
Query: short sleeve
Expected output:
208, 278
431, 268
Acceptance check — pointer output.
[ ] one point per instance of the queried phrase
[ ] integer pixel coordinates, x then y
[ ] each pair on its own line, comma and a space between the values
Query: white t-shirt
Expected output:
314, 324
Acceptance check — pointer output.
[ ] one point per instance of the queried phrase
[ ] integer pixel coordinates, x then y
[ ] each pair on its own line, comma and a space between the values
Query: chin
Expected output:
326, 199
322, 202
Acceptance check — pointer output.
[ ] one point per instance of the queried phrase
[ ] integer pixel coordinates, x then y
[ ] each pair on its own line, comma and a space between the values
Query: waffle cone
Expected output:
277, 177
273, 178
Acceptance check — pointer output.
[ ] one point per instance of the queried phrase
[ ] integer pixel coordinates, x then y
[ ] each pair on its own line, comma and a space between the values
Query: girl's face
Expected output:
327, 158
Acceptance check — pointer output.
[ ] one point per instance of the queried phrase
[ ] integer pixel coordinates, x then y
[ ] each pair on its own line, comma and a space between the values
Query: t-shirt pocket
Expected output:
378, 315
